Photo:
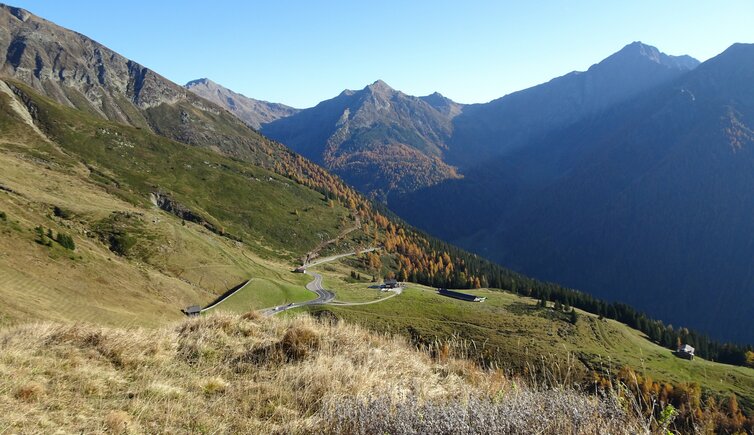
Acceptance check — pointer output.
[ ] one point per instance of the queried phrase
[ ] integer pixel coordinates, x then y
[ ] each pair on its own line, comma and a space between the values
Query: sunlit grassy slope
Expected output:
101, 175
517, 334
248, 374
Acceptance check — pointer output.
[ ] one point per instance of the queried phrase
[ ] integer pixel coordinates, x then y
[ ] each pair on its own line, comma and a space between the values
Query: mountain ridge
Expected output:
79, 72
642, 203
437, 139
502, 125
251, 111
377, 138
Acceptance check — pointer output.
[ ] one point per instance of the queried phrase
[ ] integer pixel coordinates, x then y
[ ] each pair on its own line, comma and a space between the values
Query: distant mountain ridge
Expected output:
378, 139
487, 130
385, 142
647, 202
253, 112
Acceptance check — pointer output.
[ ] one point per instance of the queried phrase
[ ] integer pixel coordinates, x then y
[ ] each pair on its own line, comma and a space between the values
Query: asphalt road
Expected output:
335, 257
324, 296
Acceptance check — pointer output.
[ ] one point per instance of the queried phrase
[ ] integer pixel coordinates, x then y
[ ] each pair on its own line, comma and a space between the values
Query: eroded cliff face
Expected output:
75, 70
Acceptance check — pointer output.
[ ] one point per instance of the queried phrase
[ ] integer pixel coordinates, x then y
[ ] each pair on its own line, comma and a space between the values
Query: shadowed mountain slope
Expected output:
648, 202
500, 126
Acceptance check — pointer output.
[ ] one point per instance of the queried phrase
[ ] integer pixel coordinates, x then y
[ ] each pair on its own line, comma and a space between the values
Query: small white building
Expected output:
685, 351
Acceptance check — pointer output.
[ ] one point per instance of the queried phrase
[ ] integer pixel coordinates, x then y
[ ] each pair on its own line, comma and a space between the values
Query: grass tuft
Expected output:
118, 421
299, 342
30, 392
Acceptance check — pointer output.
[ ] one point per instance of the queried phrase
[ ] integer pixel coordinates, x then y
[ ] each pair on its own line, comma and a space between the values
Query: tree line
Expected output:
427, 260
495, 276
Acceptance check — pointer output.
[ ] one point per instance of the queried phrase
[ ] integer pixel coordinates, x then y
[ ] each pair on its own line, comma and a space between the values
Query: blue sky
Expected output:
302, 52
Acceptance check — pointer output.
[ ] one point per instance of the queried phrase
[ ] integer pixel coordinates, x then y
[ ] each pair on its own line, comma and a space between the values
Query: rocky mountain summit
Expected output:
378, 139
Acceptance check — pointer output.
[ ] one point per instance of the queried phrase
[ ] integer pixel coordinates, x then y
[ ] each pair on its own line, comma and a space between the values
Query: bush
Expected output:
61, 213
121, 243
41, 238
574, 317
299, 342
66, 241
3, 216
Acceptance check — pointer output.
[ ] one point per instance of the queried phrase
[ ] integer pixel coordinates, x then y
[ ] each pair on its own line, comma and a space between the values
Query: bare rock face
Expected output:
76, 71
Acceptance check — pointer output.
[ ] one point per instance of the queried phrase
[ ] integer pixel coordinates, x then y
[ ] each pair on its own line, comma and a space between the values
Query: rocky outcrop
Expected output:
76, 71
166, 203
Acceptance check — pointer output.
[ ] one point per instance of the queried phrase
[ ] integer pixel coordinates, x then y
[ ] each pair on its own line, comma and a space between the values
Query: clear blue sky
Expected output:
301, 52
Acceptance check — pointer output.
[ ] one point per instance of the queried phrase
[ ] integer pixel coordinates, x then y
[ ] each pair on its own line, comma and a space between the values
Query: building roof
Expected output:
193, 309
686, 348
459, 295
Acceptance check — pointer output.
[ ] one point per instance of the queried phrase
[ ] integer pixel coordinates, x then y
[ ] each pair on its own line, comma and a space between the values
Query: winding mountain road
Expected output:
324, 296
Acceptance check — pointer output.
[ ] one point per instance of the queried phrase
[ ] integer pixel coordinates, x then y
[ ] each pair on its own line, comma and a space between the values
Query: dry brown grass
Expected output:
247, 374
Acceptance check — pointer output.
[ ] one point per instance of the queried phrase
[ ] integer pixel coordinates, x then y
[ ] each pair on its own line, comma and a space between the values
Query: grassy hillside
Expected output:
134, 263
241, 199
514, 333
230, 374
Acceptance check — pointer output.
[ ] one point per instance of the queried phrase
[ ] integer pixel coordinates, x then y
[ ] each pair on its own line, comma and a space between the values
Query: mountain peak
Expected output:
379, 86
201, 81
21, 14
738, 49
736, 62
443, 104
253, 112
639, 51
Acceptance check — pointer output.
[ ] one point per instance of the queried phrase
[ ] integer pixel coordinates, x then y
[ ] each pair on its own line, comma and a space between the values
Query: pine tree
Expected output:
66, 241
574, 317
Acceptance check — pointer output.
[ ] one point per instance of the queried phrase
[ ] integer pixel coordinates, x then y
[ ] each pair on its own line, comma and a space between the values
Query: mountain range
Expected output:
646, 201
128, 202
385, 142
630, 180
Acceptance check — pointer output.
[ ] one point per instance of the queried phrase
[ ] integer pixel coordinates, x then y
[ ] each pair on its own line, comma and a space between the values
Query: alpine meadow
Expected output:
572, 256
